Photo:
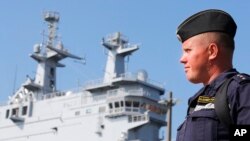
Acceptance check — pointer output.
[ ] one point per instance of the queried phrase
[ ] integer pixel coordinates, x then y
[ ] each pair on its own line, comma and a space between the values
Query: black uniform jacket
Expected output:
202, 123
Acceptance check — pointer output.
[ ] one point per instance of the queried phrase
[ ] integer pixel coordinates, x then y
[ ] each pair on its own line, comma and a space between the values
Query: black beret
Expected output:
211, 20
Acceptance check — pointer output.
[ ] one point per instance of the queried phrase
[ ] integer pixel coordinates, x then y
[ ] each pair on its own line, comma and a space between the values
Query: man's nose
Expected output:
183, 59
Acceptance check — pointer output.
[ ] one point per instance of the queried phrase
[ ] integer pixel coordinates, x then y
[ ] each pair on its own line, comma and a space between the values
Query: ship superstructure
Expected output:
121, 106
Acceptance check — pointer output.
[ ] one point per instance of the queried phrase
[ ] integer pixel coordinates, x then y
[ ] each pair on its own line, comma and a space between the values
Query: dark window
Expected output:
117, 105
110, 105
24, 111
136, 104
15, 112
52, 71
122, 103
135, 119
128, 103
7, 113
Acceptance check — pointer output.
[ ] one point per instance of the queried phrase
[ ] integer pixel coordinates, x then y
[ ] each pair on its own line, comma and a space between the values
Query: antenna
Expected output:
82, 62
14, 83
52, 19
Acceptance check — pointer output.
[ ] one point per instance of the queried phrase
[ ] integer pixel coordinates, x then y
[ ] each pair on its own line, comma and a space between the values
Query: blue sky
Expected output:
152, 24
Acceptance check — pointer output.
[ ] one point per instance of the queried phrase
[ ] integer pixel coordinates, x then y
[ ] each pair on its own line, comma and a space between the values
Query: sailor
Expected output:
207, 40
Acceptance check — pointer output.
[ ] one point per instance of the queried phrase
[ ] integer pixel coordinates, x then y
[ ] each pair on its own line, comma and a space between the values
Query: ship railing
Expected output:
52, 95
137, 92
94, 83
136, 118
128, 75
134, 76
60, 93
117, 110
115, 36
124, 109
131, 111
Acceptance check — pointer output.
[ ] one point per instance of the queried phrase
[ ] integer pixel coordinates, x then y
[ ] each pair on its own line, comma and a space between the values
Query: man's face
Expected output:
195, 59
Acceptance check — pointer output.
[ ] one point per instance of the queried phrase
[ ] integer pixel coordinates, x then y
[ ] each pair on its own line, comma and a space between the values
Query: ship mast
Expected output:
47, 56
48, 61
118, 49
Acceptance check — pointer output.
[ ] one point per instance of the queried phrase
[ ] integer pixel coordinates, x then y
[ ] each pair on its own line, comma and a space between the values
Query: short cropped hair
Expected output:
222, 39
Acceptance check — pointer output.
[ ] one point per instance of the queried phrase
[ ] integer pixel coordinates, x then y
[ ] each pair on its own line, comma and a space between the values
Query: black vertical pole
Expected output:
169, 123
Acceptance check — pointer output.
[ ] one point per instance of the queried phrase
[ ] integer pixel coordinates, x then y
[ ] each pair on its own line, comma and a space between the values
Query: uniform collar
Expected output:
215, 84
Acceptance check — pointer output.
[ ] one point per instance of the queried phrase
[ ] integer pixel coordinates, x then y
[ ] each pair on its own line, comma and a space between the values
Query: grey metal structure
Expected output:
121, 106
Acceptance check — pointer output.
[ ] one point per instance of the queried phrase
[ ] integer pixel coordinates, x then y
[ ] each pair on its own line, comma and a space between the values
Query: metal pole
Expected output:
169, 122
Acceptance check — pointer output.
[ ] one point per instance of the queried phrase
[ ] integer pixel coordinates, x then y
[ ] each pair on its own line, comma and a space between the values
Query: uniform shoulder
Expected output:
242, 78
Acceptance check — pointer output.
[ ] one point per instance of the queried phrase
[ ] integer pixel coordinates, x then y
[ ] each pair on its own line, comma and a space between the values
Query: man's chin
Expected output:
193, 80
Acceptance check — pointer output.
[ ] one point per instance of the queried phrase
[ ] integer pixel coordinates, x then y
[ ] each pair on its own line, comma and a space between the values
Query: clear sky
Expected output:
150, 23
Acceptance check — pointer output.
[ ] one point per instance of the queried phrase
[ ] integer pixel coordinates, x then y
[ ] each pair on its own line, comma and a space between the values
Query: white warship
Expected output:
121, 106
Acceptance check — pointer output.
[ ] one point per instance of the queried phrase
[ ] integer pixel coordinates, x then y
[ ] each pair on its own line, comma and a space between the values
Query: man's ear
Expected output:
213, 51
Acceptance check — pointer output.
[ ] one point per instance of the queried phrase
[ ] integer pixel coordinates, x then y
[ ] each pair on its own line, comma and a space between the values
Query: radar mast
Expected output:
47, 55
118, 49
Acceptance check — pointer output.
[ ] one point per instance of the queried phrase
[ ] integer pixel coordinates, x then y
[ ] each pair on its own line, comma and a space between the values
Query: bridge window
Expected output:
110, 105
117, 105
128, 103
136, 104
15, 112
24, 111
122, 103
7, 113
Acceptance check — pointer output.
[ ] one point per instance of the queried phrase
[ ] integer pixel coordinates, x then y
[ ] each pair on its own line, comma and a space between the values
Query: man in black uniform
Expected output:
207, 41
